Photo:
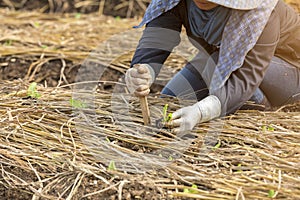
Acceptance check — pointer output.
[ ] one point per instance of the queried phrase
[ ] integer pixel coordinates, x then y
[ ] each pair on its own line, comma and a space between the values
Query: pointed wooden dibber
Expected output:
145, 110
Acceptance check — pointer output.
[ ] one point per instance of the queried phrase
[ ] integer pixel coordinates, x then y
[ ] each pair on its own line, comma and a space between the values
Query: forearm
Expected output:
158, 40
154, 57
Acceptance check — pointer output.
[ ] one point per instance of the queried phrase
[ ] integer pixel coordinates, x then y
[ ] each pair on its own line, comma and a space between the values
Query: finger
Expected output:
136, 74
142, 68
177, 114
177, 130
142, 88
177, 122
142, 93
139, 81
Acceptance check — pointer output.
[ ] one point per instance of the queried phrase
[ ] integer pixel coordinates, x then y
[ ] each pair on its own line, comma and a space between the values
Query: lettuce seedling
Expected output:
32, 91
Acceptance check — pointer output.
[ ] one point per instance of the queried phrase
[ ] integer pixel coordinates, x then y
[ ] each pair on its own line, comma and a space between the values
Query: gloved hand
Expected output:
186, 118
139, 79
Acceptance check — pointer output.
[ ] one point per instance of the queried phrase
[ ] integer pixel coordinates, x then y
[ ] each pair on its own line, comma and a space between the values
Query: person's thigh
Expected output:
281, 83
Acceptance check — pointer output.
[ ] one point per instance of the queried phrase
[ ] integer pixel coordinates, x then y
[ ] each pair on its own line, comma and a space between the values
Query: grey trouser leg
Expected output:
281, 84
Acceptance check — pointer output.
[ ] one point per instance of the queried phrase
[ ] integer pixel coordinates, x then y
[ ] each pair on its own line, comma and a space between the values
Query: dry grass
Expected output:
50, 149
51, 139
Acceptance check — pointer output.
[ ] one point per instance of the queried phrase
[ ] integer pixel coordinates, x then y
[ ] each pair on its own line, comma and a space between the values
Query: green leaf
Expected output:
32, 92
217, 145
36, 24
77, 103
169, 117
267, 128
112, 166
191, 190
185, 190
271, 193
166, 116
239, 165
170, 158
117, 18
165, 110
8, 43
270, 128
77, 15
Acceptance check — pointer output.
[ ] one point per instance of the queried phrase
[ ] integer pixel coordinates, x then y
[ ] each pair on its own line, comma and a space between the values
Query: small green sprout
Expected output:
239, 166
8, 43
118, 18
77, 15
166, 116
170, 158
267, 128
271, 193
112, 166
192, 190
77, 103
36, 24
32, 92
217, 145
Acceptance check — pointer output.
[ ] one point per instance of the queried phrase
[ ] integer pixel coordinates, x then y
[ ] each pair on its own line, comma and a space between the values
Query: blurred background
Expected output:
122, 8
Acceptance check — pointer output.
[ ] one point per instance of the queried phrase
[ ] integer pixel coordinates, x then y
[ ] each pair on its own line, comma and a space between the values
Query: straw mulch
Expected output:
48, 150
51, 149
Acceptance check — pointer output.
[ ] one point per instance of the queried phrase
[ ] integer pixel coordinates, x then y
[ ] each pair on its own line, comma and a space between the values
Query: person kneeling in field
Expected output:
253, 49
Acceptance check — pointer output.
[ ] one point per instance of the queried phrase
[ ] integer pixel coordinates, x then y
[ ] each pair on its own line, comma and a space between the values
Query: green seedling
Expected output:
217, 145
239, 165
112, 166
267, 128
8, 43
117, 18
166, 116
192, 190
271, 193
77, 15
32, 91
36, 24
77, 103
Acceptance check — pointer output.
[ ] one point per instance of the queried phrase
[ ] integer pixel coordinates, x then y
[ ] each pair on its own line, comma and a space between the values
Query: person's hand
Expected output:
139, 79
185, 119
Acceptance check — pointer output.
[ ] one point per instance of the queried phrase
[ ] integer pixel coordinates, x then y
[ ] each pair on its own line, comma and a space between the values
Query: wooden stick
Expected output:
145, 110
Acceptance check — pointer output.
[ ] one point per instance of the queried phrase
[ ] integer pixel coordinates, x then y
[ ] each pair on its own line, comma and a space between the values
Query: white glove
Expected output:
139, 79
185, 119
